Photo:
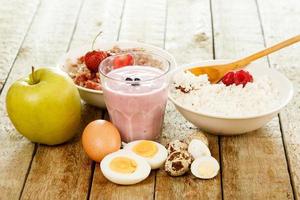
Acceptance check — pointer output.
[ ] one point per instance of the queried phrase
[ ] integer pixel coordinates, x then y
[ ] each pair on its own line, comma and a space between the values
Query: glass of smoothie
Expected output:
135, 87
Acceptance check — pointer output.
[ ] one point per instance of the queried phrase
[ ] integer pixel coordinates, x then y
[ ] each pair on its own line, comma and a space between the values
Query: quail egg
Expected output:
199, 136
205, 167
178, 163
176, 145
198, 149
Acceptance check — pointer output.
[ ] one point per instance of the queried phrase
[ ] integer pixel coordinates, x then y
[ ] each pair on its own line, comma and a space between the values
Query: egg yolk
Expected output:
123, 165
145, 148
206, 169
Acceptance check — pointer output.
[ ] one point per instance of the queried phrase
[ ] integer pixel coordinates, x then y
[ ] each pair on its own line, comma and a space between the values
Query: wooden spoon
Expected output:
216, 72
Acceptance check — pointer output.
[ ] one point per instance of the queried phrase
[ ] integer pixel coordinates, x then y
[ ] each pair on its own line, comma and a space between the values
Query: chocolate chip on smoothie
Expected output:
128, 79
136, 83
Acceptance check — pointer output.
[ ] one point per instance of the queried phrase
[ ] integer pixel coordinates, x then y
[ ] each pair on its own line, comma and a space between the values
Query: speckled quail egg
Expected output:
176, 145
198, 149
205, 167
199, 136
178, 163
154, 153
125, 168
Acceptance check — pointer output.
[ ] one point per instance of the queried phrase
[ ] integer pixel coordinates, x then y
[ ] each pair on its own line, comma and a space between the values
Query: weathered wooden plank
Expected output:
96, 16
13, 28
70, 172
280, 21
189, 31
14, 149
254, 165
189, 39
42, 46
54, 173
104, 189
142, 21
64, 171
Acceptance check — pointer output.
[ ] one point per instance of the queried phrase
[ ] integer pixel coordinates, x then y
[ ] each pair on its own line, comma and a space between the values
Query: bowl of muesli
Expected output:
241, 102
81, 64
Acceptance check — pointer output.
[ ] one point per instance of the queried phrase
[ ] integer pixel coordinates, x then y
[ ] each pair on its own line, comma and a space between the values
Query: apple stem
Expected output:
94, 41
32, 75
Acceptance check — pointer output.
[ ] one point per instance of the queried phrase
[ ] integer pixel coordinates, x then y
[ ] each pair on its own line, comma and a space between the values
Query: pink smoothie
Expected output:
136, 108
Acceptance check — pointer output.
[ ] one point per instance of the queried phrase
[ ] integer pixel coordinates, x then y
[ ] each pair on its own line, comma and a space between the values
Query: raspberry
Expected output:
242, 77
228, 79
237, 78
93, 59
122, 61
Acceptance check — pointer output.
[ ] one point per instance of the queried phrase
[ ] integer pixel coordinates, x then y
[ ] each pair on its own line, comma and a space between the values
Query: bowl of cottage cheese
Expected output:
230, 109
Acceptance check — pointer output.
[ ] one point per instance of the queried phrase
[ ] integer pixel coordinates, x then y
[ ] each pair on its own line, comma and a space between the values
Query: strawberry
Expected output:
122, 61
93, 59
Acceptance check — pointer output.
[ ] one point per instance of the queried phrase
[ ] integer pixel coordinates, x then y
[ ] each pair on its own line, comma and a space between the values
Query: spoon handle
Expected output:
245, 61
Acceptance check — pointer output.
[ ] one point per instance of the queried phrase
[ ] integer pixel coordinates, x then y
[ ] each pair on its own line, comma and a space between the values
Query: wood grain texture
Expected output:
96, 16
189, 39
13, 28
278, 27
144, 22
189, 31
148, 27
70, 175
15, 151
63, 171
254, 165
42, 47
104, 189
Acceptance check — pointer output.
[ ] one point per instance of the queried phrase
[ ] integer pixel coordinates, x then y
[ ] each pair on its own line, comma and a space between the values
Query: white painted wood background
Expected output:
259, 165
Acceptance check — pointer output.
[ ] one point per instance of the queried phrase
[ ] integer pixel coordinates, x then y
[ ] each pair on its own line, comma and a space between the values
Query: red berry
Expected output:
93, 59
228, 79
242, 77
250, 78
239, 77
122, 61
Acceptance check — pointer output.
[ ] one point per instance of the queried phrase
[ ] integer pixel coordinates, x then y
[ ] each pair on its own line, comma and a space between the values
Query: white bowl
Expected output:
95, 97
221, 125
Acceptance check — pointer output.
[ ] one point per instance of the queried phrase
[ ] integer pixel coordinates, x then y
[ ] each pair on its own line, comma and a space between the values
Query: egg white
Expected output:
157, 160
213, 164
197, 149
142, 171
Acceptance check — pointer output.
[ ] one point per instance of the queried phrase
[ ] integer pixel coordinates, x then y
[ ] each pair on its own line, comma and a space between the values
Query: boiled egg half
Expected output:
197, 149
205, 167
154, 153
124, 168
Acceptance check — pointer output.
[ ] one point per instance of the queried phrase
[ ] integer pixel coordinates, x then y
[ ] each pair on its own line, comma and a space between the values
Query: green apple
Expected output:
45, 106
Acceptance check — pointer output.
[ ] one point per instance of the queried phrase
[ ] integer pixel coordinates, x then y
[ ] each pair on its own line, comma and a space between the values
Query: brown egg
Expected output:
100, 138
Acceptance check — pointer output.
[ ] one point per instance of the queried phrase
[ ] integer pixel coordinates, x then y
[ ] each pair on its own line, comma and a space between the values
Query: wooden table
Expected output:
259, 165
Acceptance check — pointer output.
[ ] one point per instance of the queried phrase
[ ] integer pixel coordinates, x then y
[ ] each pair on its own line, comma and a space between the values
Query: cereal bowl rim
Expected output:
282, 104
134, 44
